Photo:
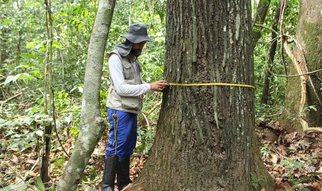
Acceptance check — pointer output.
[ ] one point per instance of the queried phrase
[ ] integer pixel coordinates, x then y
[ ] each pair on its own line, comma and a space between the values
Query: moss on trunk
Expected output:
309, 38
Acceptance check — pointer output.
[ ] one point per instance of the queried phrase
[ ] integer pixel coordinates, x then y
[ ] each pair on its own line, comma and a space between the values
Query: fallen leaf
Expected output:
14, 159
282, 149
278, 181
317, 186
274, 158
30, 161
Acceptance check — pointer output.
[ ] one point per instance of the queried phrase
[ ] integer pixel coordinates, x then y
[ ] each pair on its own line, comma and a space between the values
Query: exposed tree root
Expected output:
308, 129
301, 68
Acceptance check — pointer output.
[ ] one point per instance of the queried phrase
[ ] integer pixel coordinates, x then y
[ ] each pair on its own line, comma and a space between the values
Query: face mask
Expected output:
136, 52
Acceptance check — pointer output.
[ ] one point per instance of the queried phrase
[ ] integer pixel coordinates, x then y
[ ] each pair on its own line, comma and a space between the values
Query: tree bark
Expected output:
48, 95
92, 125
205, 137
308, 57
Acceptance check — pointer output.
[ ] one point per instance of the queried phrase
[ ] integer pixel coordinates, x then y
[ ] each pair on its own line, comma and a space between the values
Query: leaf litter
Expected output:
293, 159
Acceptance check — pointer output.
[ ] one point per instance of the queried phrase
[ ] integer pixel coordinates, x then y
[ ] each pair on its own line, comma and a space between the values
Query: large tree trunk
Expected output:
205, 136
92, 125
300, 92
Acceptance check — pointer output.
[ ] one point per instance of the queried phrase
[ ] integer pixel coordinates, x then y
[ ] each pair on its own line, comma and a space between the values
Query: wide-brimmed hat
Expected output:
138, 33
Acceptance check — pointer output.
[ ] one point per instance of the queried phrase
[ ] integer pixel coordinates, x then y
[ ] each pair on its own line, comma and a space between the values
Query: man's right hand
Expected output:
159, 85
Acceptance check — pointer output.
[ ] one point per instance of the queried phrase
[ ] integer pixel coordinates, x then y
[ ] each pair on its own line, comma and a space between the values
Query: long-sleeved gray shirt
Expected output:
117, 76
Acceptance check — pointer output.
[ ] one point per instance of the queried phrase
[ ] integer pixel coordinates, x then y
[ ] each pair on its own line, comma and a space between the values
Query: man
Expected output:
124, 102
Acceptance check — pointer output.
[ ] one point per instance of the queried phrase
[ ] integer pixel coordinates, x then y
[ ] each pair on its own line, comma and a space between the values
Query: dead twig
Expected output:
265, 27
153, 108
10, 98
146, 120
54, 123
15, 171
297, 75
32, 168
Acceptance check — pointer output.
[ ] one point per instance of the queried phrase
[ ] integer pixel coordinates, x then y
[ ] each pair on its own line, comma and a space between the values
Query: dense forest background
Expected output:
43, 52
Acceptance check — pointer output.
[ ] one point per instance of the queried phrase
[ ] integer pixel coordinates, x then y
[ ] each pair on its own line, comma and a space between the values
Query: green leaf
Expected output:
21, 186
59, 162
6, 21
79, 27
40, 133
39, 184
31, 45
40, 45
85, 13
56, 45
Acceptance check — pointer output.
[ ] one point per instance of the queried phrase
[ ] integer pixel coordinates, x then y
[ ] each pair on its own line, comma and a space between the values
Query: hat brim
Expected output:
138, 39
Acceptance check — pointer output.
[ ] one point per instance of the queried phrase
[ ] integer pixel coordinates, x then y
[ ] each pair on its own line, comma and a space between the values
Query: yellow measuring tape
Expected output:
212, 84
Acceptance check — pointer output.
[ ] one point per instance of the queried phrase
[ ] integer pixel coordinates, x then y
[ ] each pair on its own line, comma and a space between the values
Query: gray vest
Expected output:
131, 72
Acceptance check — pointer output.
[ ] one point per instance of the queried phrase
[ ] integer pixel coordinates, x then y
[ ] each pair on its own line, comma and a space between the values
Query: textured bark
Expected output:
92, 126
309, 38
205, 137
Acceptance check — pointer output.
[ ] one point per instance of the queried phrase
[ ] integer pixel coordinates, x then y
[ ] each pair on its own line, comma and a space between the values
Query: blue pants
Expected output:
126, 133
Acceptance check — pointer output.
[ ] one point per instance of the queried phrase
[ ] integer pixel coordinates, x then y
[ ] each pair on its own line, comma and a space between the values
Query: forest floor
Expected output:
292, 159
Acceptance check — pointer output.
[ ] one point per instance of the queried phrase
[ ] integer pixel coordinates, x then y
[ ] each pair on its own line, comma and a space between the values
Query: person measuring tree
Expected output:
124, 103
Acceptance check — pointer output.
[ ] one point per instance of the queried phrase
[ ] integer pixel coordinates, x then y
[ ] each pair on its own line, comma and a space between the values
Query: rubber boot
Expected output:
109, 173
123, 173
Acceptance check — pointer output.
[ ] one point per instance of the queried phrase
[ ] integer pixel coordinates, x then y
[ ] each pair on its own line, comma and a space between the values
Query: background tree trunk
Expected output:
48, 93
309, 37
92, 125
272, 51
205, 136
260, 16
